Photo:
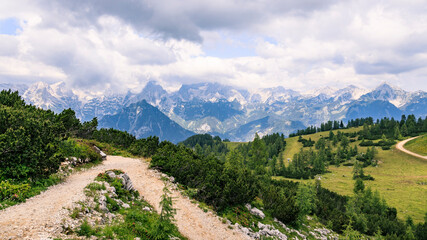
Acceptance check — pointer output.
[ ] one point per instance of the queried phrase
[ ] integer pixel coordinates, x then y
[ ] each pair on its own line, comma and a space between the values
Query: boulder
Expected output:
255, 211
103, 155
127, 183
270, 231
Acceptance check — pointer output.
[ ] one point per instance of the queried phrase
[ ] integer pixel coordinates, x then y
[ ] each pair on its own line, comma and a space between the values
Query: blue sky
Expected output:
9, 26
99, 44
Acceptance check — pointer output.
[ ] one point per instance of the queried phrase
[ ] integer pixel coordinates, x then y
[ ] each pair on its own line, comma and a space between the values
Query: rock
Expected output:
255, 211
270, 231
111, 174
281, 224
103, 155
73, 161
146, 209
323, 231
127, 183
103, 204
125, 205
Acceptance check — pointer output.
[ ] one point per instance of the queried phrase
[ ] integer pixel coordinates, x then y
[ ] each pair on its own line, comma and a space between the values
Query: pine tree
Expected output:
397, 135
404, 130
258, 153
359, 186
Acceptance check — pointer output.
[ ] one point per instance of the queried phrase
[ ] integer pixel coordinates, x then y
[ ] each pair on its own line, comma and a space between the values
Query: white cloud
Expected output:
296, 44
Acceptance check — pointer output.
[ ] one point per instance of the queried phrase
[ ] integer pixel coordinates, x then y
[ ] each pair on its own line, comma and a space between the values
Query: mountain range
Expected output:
222, 110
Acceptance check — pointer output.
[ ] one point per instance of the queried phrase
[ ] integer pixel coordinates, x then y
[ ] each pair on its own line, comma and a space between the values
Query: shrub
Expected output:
13, 191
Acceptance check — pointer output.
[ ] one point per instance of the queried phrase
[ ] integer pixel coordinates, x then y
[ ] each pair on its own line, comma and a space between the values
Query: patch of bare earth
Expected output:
40, 217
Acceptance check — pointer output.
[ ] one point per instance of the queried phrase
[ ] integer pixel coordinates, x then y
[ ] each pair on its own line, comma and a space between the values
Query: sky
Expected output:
94, 45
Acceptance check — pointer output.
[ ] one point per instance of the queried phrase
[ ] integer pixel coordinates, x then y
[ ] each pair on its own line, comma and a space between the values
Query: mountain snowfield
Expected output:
225, 110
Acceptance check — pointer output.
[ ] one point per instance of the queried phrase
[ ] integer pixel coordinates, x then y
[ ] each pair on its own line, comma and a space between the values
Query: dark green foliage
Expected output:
69, 121
279, 198
87, 129
32, 142
145, 147
305, 142
368, 213
218, 185
215, 144
113, 136
393, 129
29, 140
421, 229
359, 186
306, 164
330, 208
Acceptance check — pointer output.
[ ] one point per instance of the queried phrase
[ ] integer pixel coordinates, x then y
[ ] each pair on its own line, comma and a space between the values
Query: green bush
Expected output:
13, 191
78, 149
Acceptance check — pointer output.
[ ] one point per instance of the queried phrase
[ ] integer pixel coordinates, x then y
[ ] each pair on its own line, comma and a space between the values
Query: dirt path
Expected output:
401, 148
40, 217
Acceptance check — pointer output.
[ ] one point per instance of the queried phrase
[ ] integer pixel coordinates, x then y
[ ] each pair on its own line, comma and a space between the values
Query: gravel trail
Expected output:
401, 148
40, 217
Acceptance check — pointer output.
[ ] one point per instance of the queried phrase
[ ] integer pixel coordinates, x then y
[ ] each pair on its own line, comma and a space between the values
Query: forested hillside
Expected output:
35, 141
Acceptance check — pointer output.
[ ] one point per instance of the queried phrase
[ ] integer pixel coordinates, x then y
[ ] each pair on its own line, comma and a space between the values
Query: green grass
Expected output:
400, 178
418, 145
293, 146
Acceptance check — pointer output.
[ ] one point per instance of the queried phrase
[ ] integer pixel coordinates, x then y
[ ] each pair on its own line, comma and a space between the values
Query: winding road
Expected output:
40, 217
401, 148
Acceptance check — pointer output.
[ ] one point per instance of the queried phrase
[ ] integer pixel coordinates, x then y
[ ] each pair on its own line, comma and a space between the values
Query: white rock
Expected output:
255, 211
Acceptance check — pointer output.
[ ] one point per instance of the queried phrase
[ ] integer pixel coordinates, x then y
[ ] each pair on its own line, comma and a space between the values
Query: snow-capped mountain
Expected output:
385, 92
211, 92
55, 96
232, 112
272, 95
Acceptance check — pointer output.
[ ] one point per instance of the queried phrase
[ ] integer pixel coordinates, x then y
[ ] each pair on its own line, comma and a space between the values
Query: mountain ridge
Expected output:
221, 109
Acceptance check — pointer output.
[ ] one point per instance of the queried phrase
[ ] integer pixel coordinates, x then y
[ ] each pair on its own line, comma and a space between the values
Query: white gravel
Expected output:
40, 217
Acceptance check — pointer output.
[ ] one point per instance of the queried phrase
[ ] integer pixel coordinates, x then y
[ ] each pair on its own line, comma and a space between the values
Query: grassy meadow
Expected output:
418, 145
400, 178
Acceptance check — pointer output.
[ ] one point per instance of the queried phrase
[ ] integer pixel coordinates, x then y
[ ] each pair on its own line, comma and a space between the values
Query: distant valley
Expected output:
229, 112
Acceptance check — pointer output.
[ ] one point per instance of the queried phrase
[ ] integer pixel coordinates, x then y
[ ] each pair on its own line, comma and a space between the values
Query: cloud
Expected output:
304, 44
